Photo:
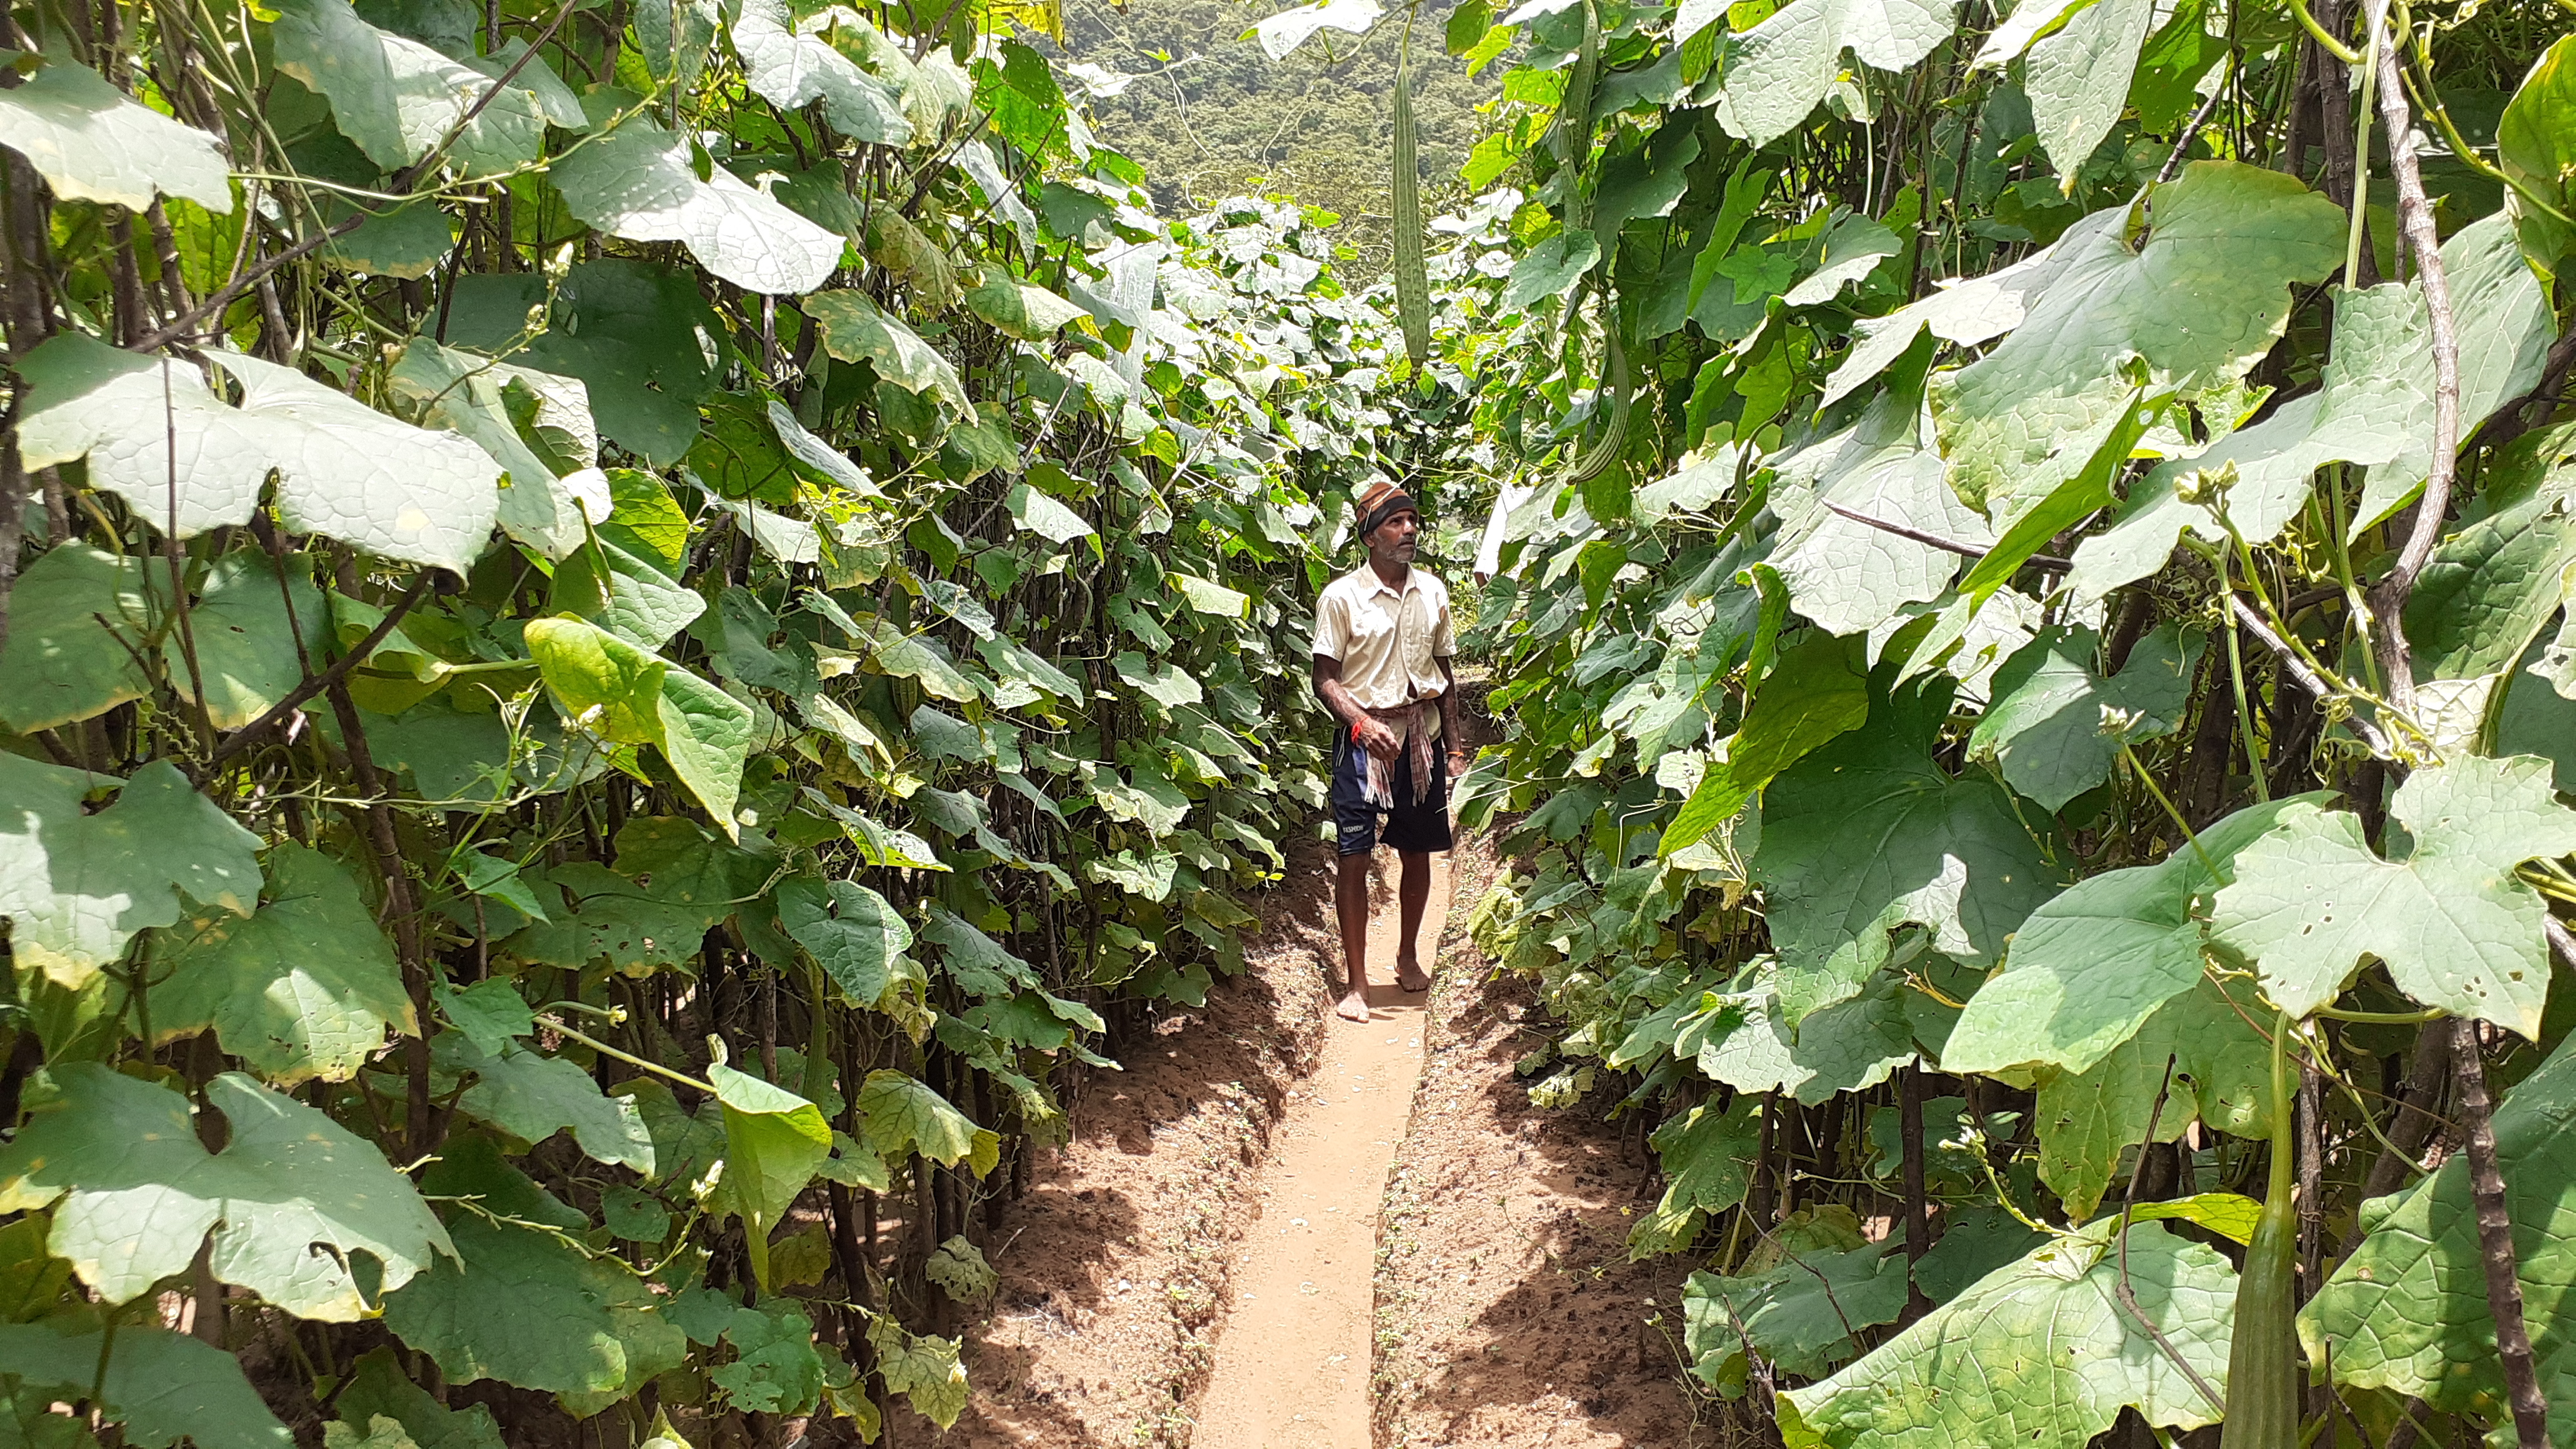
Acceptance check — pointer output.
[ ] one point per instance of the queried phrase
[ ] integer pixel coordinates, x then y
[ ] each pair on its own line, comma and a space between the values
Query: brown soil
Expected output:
1114, 1265
1292, 1360
1508, 1313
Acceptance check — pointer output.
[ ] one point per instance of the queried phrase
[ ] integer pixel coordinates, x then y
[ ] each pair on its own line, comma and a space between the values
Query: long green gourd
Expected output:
2263, 1356
1412, 282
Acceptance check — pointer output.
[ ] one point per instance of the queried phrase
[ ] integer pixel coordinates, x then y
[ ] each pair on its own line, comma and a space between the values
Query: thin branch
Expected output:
233, 743
2128, 1297
2415, 225
2044, 562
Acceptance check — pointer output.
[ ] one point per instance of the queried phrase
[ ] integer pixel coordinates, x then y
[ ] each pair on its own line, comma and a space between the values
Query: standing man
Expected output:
1382, 646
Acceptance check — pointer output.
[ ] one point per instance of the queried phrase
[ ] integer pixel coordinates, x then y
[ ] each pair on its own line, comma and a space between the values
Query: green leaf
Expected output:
532, 1096
858, 330
379, 1389
164, 1386
2088, 968
776, 1369
1550, 269
1975, 1240
60, 665
628, 330
137, 1193
1870, 833
1809, 697
706, 735
2446, 915
2222, 1074
774, 1141
2078, 77
1708, 1156
851, 931
924, 1369
1022, 309
905, 1116
2196, 298
1043, 516
303, 989
1784, 66
788, 69
958, 1267
2407, 1311
1848, 1046
1208, 598
1801, 1313
2490, 589
2054, 726
92, 143
245, 639
396, 98
530, 1309
78, 886
977, 962
1164, 682
1968, 1373
636, 182
2532, 146
600, 681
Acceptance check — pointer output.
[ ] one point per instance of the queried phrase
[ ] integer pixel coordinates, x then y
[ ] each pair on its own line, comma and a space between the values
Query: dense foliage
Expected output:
637, 628
2034, 651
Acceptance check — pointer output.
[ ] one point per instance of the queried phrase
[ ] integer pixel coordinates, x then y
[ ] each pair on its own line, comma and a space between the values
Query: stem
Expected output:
2495, 1241
632, 1060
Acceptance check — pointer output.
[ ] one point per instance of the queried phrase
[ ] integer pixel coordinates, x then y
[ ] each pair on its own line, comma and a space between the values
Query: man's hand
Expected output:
1375, 737
1457, 764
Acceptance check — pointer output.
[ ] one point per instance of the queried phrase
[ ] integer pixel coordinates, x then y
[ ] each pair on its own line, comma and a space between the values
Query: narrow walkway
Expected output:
1293, 1355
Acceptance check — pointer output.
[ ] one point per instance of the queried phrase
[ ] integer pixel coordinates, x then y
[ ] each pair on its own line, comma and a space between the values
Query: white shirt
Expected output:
1386, 639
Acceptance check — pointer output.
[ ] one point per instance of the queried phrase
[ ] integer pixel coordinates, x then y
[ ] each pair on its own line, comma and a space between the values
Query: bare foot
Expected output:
1409, 976
1353, 1005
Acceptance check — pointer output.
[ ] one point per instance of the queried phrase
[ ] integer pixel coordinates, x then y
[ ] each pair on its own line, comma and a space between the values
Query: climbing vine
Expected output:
2028, 609
634, 633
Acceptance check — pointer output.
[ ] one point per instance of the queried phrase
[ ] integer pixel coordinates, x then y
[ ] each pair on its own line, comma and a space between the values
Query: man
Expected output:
1382, 645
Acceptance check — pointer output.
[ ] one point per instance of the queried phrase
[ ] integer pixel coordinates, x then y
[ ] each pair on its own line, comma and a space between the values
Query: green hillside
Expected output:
1211, 116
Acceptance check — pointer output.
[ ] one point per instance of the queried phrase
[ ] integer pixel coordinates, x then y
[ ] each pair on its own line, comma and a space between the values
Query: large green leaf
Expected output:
1809, 697
2039, 1354
1802, 1312
788, 68
528, 1308
598, 680
2055, 726
343, 469
397, 98
2222, 1075
245, 636
856, 329
1869, 834
2088, 968
2490, 588
2533, 145
546, 497
1022, 309
76, 616
532, 1096
905, 1115
303, 989
630, 331
851, 931
2078, 76
1847, 575
378, 1386
2196, 297
78, 886
637, 182
93, 143
164, 1386
1782, 67
706, 735
2407, 1311
2445, 913
1750, 1044
137, 1193
774, 1141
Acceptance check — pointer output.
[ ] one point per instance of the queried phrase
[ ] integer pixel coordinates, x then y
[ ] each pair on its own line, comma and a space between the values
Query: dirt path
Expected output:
1294, 1351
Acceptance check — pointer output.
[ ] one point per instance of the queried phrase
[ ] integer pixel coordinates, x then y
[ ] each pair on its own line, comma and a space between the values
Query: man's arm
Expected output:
1372, 734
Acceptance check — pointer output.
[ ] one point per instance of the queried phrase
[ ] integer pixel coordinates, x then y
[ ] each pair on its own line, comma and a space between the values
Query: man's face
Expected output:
1396, 539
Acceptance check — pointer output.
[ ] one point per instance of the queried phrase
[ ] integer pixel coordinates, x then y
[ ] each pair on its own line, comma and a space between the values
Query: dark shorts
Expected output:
1409, 827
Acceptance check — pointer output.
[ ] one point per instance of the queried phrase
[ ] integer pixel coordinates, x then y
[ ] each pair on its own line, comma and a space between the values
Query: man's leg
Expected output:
1413, 893
1350, 900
